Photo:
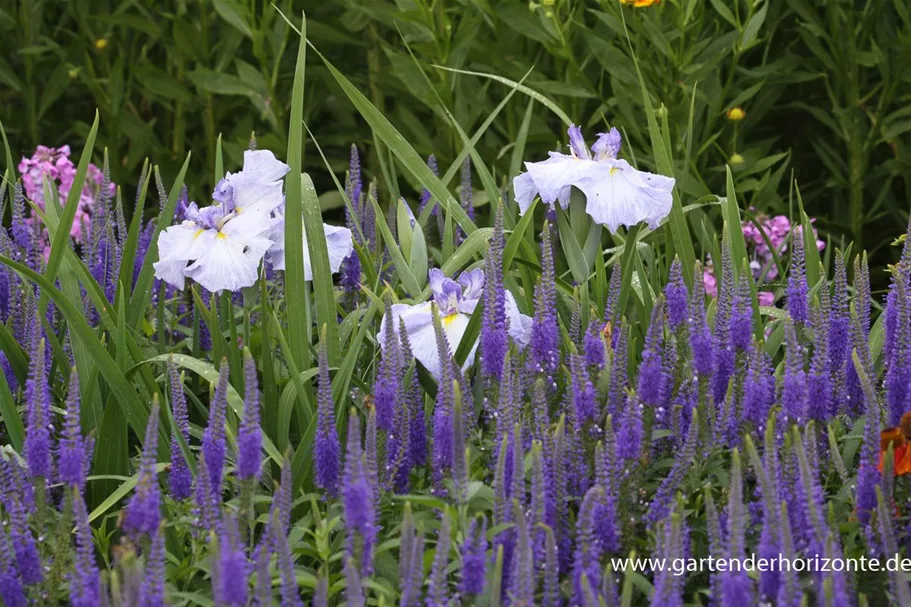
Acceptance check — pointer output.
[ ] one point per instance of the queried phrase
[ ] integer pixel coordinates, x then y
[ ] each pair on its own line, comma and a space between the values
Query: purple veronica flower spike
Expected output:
456, 301
143, 515
616, 193
221, 246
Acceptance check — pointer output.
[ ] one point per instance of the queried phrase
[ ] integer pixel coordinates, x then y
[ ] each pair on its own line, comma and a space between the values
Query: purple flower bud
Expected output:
474, 559
326, 450
741, 322
71, 453
544, 345
229, 578
438, 590
213, 438
494, 332
794, 386
180, 479
249, 436
151, 592
358, 500
37, 399
387, 389
651, 380
796, 294
11, 592
143, 514
290, 595
588, 544
677, 297
85, 583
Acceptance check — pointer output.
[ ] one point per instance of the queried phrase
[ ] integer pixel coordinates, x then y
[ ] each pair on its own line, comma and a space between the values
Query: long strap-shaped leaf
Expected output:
295, 286
62, 237
143, 289
124, 393
397, 144
323, 289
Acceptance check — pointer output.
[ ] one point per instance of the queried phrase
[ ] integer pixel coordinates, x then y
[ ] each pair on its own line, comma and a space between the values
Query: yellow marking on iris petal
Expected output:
449, 319
198, 232
614, 170
222, 235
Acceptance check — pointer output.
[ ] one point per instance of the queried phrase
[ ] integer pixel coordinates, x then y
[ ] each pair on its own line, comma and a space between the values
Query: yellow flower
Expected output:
736, 113
736, 159
101, 44
640, 3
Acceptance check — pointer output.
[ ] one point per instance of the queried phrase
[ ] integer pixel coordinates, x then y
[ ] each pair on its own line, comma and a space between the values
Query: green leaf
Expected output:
553, 107
62, 237
297, 296
209, 373
518, 236
230, 12
142, 292
323, 288
418, 261
121, 492
809, 242
398, 146
124, 394
409, 280
680, 231
10, 414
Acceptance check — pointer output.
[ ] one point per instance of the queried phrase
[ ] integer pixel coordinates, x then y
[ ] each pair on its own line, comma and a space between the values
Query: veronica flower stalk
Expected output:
180, 479
796, 296
143, 515
11, 592
456, 301
414, 400
249, 437
616, 194
494, 329
522, 576
213, 439
387, 389
37, 397
736, 586
221, 246
151, 592
544, 353
438, 585
71, 451
358, 500
474, 559
85, 583
326, 450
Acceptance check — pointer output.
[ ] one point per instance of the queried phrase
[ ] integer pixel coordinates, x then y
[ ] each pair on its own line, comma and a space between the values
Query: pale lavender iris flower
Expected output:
616, 194
221, 246
456, 301
338, 241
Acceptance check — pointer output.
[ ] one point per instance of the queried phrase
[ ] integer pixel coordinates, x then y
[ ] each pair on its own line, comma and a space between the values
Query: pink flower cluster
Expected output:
762, 264
55, 163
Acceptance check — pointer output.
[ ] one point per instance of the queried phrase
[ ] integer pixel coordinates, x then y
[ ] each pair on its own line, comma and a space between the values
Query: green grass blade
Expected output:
295, 286
61, 239
142, 293
12, 422
323, 289
409, 280
123, 392
680, 232
131, 246
811, 253
518, 235
208, 372
553, 107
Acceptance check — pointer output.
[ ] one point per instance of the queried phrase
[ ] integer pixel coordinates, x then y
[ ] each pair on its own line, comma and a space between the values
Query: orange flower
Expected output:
897, 438
640, 3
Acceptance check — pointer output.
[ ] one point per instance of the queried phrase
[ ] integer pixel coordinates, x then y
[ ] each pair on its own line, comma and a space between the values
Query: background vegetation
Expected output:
824, 86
